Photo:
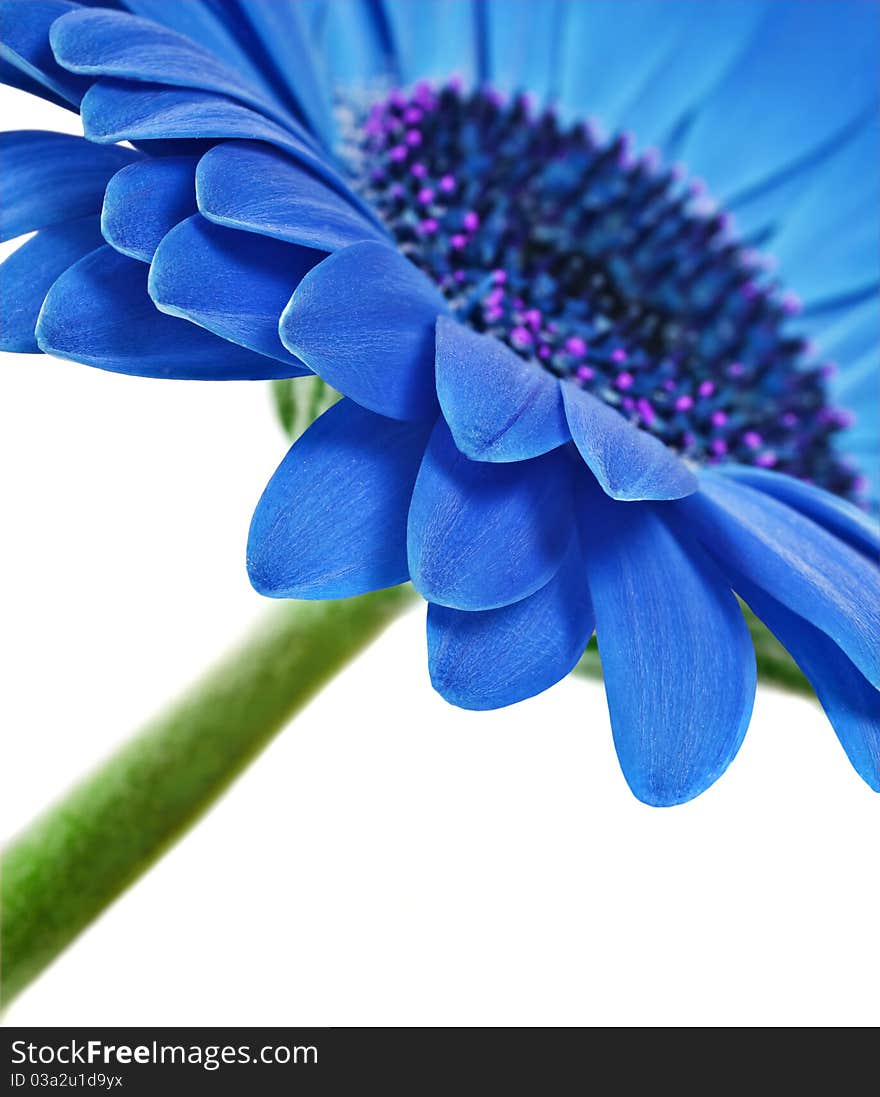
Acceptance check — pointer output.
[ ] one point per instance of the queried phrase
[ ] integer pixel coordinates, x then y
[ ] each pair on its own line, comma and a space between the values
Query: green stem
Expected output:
74, 860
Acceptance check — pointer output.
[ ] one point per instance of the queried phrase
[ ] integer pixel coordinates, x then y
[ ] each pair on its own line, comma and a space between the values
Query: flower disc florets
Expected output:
605, 267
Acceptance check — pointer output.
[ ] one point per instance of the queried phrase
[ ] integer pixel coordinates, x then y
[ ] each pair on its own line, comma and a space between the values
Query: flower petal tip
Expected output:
499, 407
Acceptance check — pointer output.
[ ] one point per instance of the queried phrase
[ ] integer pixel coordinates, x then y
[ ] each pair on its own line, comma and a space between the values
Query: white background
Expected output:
389, 860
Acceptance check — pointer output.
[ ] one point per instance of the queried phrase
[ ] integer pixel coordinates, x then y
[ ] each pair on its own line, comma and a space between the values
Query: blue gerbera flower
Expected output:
576, 394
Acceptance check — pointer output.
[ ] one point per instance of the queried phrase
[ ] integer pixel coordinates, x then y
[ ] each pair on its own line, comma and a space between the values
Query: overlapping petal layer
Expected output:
240, 247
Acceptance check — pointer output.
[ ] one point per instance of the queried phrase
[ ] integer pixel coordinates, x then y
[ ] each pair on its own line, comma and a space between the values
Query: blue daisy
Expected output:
578, 393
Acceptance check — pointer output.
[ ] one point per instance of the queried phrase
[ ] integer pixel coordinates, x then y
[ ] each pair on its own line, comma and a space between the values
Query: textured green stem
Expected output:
74, 860
775, 666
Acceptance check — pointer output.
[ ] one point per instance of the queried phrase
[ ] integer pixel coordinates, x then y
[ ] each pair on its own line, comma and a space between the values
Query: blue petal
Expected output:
764, 209
99, 312
355, 41
434, 39
847, 336
829, 511
282, 32
855, 385
203, 24
27, 274
364, 321
51, 177
114, 43
145, 201
837, 205
114, 110
233, 283
785, 554
498, 406
672, 82
851, 703
524, 45
332, 520
774, 100
497, 657
677, 658
290, 203
629, 463
483, 535
13, 77
646, 64
24, 43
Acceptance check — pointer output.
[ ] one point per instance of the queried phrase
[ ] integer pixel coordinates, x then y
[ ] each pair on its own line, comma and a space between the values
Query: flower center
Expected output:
605, 268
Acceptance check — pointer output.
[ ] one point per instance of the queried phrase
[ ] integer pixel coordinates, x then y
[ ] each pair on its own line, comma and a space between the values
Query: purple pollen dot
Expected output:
593, 131
646, 411
532, 317
736, 369
412, 116
419, 170
789, 419
426, 195
684, 403
499, 277
628, 403
428, 227
397, 190
458, 240
447, 184
544, 352
719, 418
398, 153
576, 346
585, 373
413, 138
624, 381
669, 385
651, 158
521, 337
706, 388
752, 439
619, 355
718, 446
460, 276
471, 221
791, 303
767, 459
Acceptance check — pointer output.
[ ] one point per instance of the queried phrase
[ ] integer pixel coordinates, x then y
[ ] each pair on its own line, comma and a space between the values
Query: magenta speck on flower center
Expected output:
604, 267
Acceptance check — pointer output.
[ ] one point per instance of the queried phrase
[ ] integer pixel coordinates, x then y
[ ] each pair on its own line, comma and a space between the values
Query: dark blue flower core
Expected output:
605, 268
